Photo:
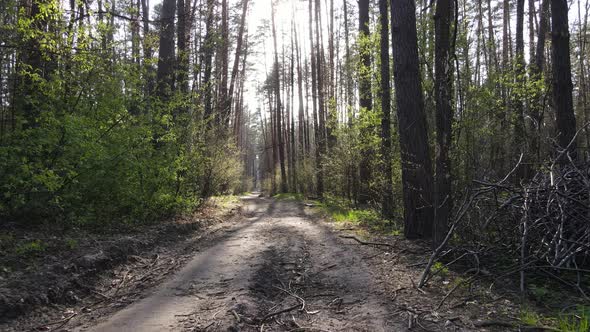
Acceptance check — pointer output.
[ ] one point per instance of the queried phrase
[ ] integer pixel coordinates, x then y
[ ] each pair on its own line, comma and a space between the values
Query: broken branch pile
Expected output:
539, 227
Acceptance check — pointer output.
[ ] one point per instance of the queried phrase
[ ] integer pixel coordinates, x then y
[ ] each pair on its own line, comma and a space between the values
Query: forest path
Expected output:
278, 258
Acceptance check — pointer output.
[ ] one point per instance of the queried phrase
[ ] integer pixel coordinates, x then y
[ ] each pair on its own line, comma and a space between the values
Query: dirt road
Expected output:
278, 270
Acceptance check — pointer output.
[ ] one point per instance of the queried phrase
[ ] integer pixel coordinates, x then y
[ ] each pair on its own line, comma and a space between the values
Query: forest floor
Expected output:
269, 265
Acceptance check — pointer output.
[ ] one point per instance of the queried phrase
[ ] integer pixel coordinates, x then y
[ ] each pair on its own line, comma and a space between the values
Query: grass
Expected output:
30, 248
530, 318
224, 201
340, 210
577, 321
440, 269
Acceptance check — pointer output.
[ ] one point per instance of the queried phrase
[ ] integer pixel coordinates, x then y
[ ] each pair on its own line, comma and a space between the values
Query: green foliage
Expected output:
339, 210
577, 322
30, 248
530, 318
440, 269
99, 148
540, 293
71, 243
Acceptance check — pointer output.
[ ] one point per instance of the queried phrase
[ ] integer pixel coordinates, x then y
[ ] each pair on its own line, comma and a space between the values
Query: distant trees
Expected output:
158, 129
94, 128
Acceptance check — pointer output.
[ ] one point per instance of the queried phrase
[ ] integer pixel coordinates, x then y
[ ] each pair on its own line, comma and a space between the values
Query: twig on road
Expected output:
367, 243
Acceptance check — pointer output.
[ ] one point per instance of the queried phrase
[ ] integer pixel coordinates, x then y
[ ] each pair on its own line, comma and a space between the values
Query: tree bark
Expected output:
223, 103
413, 132
443, 199
182, 41
321, 100
207, 59
387, 206
239, 43
365, 98
147, 49
562, 77
166, 59
277, 83
538, 67
519, 140
319, 175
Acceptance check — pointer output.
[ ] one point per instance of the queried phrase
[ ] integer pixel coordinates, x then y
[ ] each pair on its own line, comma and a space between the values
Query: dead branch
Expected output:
365, 242
273, 314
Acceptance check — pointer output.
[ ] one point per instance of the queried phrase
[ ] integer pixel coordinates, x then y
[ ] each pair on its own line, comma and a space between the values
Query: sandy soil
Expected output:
278, 259
275, 266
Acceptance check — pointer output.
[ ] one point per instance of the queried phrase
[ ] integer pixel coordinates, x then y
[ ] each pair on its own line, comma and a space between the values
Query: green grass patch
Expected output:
440, 269
577, 321
224, 201
341, 211
30, 248
71, 243
530, 318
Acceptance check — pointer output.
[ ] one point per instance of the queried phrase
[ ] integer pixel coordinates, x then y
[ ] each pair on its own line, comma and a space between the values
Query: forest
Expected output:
458, 127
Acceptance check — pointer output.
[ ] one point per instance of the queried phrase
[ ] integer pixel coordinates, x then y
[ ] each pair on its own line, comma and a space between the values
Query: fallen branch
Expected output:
324, 269
501, 323
365, 242
452, 291
487, 323
61, 323
276, 313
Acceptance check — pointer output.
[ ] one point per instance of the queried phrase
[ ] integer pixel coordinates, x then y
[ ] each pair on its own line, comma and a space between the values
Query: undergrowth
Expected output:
340, 210
577, 320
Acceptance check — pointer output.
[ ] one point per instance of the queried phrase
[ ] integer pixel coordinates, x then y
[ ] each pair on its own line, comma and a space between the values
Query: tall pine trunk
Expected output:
387, 205
365, 98
413, 132
562, 77
278, 106
166, 58
443, 199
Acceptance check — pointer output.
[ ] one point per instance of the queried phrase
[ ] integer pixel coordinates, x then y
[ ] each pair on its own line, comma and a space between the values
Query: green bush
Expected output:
99, 154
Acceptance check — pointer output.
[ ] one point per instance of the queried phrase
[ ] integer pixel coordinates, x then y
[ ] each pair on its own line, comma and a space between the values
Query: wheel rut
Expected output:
279, 270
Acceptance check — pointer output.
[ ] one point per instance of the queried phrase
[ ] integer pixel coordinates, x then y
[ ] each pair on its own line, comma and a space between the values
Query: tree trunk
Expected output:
538, 67
347, 67
321, 100
166, 59
147, 49
239, 42
413, 132
562, 77
223, 103
532, 17
182, 43
319, 175
519, 140
277, 83
582, 93
207, 59
365, 98
443, 199
387, 205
